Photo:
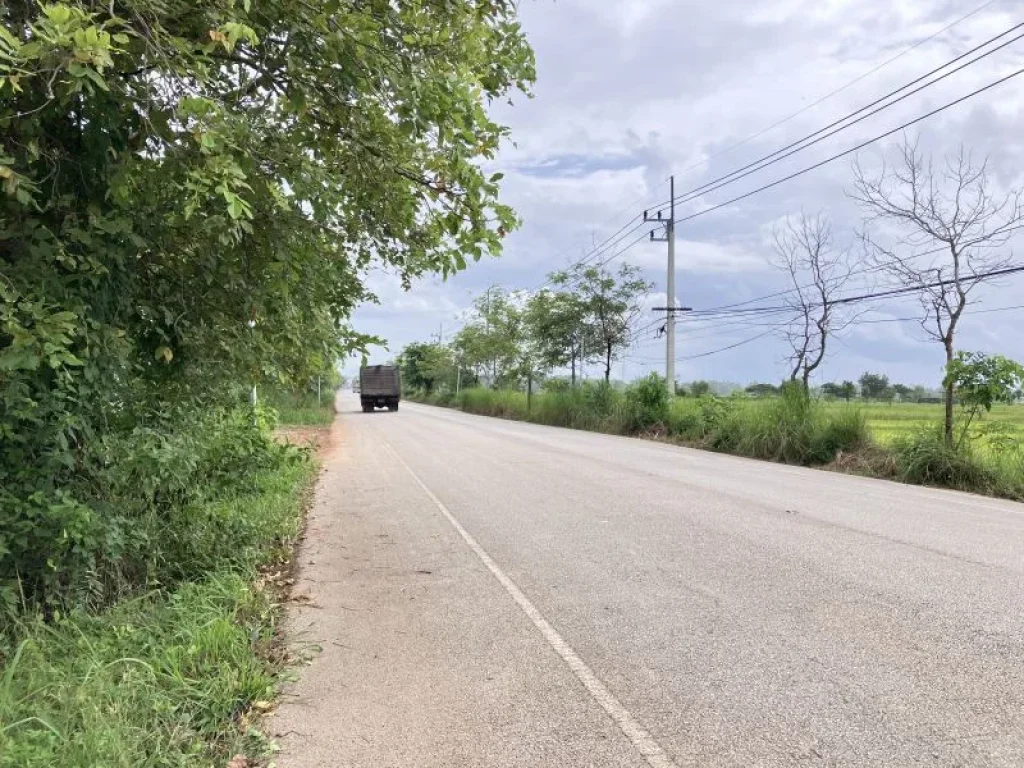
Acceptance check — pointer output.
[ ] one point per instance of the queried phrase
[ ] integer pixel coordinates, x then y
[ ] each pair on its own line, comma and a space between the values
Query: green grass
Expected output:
165, 679
890, 423
300, 409
898, 441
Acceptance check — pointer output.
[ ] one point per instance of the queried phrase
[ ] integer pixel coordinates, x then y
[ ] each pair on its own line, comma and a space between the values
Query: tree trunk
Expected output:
529, 392
608, 364
573, 370
948, 426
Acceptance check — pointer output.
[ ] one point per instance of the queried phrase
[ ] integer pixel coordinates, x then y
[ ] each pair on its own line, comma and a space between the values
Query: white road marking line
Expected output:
644, 743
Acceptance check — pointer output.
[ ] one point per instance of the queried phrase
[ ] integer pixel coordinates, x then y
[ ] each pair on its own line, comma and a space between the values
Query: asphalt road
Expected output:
487, 593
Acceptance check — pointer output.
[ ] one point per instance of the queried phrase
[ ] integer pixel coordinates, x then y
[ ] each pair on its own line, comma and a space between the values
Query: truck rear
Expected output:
380, 386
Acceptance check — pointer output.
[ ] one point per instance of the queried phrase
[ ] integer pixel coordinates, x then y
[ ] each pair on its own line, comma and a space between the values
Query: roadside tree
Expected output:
612, 303
980, 381
818, 270
873, 386
954, 226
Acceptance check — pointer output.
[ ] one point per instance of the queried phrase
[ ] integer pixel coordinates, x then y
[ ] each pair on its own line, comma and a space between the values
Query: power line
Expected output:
839, 90
726, 349
918, 318
772, 329
864, 271
850, 151
806, 142
621, 234
875, 294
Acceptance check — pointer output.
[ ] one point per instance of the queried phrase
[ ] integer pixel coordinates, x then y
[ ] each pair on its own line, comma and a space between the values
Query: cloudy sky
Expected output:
632, 91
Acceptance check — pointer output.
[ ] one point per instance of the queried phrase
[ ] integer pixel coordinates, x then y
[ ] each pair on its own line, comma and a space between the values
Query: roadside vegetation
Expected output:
788, 427
192, 195
311, 405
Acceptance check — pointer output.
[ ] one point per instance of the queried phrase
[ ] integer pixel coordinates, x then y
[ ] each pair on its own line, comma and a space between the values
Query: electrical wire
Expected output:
851, 150
864, 271
839, 90
775, 328
889, 293
806, 142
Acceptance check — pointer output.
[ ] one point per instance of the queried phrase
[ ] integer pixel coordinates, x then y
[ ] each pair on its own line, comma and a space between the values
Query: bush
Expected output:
165, 679
792, 428
142, 514
925, 459
647, 401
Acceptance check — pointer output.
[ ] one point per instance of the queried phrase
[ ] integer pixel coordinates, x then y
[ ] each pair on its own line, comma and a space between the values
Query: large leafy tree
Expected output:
191, 194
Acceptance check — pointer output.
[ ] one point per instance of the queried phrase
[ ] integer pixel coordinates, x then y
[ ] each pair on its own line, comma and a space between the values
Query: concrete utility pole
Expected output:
669, 237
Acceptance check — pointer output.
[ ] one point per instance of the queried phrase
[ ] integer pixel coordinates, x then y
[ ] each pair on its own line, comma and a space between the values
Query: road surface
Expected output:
488, 593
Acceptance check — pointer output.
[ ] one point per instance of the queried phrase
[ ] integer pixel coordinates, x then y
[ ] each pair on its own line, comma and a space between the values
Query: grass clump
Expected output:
301, 408
925, 459
162, 680
165, 667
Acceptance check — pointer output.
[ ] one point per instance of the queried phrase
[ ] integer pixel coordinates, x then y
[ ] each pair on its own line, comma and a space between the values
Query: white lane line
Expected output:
644, 743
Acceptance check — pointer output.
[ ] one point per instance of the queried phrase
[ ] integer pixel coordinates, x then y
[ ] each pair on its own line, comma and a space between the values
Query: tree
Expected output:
903, 392
818, 272
425, 366
611, 303
873, 385
980, 381
762, 390
558, 324
698, 388
954, 227
492, 342
832, 390
192, 195
847, 390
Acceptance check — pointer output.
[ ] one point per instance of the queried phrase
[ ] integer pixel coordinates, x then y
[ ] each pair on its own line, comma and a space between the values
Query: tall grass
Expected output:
300, 408
924, 458
168, 678
792, 429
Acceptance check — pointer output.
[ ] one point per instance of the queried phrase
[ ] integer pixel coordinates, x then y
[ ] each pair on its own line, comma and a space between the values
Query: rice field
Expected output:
889, 422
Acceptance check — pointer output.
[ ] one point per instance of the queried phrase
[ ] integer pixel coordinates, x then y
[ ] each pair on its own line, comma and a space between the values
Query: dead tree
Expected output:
818, 272
950, 230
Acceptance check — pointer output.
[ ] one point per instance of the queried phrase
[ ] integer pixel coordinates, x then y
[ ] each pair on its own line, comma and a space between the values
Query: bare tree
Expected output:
818, 271
951, 228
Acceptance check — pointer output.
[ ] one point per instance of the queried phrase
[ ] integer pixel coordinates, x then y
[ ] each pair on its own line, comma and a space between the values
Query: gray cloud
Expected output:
631, 91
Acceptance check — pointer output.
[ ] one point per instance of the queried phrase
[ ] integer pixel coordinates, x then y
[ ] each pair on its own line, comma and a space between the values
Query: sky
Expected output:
630, 92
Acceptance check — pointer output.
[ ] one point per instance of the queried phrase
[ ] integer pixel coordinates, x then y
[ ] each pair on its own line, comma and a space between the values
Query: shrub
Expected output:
925, 459
142, 501
647, 400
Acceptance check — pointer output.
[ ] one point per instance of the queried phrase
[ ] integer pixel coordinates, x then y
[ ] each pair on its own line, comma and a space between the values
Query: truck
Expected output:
380, 386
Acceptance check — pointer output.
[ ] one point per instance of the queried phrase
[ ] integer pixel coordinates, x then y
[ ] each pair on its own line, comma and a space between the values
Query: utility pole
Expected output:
669, 236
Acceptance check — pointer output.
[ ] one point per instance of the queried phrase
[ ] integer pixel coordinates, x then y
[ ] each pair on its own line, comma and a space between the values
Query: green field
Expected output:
888, 423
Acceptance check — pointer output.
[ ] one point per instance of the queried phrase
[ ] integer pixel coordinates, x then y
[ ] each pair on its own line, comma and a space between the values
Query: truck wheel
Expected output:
367, 408
393, 405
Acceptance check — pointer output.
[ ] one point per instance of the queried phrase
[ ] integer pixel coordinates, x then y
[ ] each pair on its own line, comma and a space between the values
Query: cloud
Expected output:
641, 89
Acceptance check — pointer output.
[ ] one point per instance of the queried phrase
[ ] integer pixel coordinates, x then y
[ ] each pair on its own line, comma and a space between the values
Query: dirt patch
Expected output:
869, 461
317, 439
